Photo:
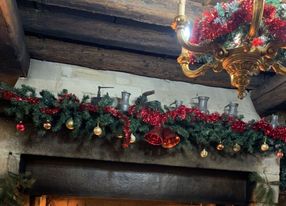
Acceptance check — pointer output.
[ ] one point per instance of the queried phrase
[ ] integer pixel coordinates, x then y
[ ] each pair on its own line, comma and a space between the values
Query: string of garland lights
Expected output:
144, 121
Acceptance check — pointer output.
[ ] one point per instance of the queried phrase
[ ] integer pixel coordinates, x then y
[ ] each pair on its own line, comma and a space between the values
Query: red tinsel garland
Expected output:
126, 128
207, 29
10, 96
50, 111
156, 118
238, 126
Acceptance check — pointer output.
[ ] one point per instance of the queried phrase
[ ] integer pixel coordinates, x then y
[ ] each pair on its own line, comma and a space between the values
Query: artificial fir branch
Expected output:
198, 131
190, 124
263, 192
13, 187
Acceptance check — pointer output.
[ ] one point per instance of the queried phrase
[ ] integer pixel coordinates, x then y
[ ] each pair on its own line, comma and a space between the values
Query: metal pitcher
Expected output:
124, 102
274, 121
202, 103
176, 104
231, 109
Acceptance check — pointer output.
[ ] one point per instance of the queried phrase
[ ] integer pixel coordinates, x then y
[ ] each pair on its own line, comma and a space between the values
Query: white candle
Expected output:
181, 7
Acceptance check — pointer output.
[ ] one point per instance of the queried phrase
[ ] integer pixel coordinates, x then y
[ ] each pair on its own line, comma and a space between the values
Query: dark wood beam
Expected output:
157, 12
98, 29
123, 61
14, 58
270, 95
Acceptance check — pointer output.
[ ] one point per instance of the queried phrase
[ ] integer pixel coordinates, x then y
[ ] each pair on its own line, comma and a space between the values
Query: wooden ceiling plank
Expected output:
157, 12
270, 95
122, 61
14, 56
93, 30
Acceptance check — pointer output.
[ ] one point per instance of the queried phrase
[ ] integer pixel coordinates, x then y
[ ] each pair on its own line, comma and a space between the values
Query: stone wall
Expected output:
83, 81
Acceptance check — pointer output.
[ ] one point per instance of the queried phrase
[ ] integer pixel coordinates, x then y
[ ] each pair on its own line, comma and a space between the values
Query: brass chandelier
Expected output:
241, 62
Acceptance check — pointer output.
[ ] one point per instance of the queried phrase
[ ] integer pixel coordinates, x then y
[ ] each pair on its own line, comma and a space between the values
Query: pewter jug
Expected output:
231, 109
202, 103
274, 121
124, 102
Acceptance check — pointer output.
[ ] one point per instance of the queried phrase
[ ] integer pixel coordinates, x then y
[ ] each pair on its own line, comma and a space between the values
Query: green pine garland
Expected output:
200, 133
263, 192
13, 188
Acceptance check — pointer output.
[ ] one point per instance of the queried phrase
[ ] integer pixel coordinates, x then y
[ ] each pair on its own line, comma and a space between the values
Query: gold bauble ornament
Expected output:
132, 139
204, 153
47, 125
236, 147
97, 130
220, 147
264, 147
70, 124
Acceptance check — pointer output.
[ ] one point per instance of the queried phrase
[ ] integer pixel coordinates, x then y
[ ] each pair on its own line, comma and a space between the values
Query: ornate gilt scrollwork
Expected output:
240, 63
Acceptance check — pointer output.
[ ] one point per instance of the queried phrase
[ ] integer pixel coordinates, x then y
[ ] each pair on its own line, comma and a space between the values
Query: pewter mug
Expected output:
274, 121
124, 102
231, 109
202, 103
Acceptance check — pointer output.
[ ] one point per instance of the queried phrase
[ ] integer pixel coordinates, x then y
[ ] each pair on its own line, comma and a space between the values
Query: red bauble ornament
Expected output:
154, 137
279, 154
170, 139
20, 127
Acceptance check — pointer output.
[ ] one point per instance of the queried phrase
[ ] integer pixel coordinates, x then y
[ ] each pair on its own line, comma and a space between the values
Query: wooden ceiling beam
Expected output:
270, 95
122, 61
157, 12
99, 30
14, 58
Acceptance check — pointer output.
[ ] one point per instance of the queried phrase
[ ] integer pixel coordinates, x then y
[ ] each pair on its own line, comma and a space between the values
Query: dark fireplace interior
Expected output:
106, 183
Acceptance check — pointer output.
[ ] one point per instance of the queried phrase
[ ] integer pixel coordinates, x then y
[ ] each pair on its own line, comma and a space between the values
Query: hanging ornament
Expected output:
47, 125
279, 154
264, 147
132, 139
20, 127
154, 137
236, 147
220, 147
170, 139
97, 130
204, 153
70, 124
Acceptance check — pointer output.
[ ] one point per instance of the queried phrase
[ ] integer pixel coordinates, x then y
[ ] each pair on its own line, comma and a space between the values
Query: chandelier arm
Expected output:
257, 14
197, 72
271, 49
279, 68
187, 45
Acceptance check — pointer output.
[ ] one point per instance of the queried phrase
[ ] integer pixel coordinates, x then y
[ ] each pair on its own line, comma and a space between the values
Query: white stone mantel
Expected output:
84, 81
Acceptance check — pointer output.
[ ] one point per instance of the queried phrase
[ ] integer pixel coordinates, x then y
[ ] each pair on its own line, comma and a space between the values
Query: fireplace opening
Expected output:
81, 182
80, 201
